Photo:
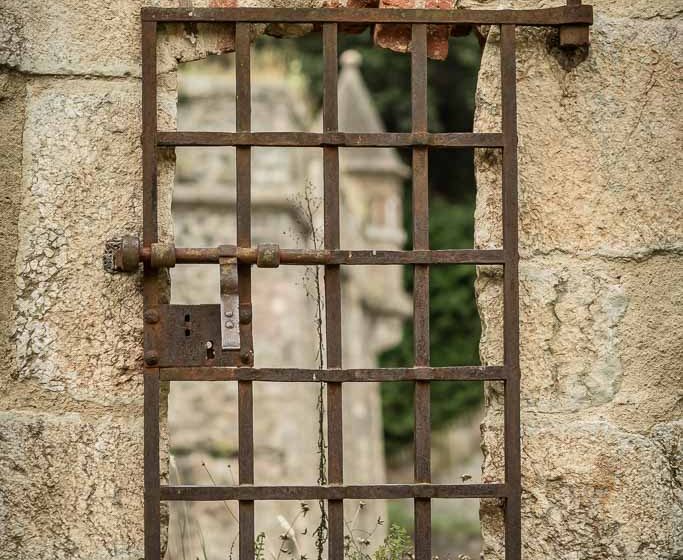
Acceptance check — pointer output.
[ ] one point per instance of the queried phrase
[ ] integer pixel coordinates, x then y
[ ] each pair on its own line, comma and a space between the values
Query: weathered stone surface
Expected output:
81, 186
637, 9
588, 327
593, 179
600, 243
70, 487
102, 39
595, 491
12, 107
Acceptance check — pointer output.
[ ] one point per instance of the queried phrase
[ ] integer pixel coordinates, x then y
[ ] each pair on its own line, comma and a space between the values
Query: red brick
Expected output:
397, 37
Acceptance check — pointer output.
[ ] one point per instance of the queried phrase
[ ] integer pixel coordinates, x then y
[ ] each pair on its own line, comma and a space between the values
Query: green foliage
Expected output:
397, 546
455, 326
454, 333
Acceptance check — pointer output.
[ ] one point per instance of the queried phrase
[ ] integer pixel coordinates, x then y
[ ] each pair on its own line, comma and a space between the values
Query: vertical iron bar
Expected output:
422, 400
511, 295
151, 465
333, 327
245, 397
152, 514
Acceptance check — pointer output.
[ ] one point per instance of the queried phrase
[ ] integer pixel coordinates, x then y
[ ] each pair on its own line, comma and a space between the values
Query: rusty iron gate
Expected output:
214, 342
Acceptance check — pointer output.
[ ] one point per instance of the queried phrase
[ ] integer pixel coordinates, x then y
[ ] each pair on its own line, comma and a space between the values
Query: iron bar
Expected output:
333, 493
513, 537
245, 396
151, 464
309, 257
369, 375
333, 319
339, 139
151, 295
563, 15
422, 397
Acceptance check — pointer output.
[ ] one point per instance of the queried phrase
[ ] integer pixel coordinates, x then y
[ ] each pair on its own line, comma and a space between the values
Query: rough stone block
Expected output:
78, 330
593, 491
89, 37
590, 490
635, 9
71, 487
599, 339
12, 107
599, 173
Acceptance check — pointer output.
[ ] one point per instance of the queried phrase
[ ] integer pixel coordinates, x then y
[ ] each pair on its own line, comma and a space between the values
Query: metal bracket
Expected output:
230, 304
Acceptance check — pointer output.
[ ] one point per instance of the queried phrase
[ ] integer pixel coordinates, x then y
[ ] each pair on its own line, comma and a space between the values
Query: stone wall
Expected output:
601, 293
601, 238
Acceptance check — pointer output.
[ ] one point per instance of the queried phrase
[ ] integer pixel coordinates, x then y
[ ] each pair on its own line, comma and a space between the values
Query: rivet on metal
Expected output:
245, 356
151, 357
151, 316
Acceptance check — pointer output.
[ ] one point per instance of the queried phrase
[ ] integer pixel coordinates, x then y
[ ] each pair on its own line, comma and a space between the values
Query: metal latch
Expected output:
125, 254
230, 303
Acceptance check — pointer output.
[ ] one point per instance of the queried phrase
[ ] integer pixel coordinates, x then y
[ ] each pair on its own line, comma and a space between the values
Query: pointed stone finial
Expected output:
351, 59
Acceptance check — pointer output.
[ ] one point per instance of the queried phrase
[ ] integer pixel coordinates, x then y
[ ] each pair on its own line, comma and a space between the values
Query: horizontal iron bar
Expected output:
460, 373
563, 15
309, 257
340, 139
376, 492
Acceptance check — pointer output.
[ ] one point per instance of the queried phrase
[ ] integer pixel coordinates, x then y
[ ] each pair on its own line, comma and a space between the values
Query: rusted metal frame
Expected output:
309, 257
245, 395
513, 537
333, 325
151, 295
422, 491
340, 139
563, 15
371, 375
331, 492
574, 35
420, 196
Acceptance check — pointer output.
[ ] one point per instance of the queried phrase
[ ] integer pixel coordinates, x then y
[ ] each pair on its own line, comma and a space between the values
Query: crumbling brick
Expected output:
397, 37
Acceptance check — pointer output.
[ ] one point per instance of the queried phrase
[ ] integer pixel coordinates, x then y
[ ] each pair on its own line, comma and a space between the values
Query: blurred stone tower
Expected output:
203, 416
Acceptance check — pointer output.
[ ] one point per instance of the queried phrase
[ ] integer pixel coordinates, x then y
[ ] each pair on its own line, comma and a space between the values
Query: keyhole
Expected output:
210, 354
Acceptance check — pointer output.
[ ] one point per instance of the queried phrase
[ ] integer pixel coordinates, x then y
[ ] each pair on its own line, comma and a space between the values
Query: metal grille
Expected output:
168, 360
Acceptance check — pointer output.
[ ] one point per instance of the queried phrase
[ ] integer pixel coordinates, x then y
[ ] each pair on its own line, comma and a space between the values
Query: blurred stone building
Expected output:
203, 416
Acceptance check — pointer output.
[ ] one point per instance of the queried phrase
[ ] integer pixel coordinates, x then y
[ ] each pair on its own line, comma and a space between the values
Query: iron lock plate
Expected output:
189, 335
